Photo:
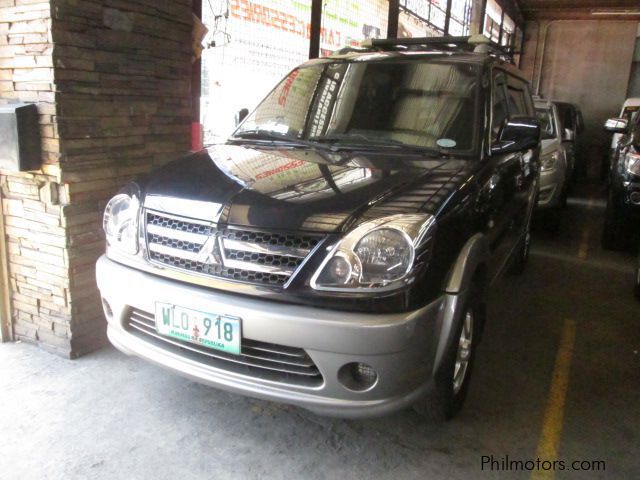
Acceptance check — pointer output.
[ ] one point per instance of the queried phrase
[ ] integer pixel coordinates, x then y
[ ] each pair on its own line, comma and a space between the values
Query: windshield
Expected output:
547, 123
430, 103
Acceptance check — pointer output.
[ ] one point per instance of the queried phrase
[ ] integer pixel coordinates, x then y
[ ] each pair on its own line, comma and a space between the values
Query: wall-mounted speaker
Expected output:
20, 147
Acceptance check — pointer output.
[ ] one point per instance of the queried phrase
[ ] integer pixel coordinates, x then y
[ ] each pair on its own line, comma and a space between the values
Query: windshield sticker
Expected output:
446, 143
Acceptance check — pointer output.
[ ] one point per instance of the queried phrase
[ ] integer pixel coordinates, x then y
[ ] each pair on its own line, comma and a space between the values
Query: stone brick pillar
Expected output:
112, 82
33, 214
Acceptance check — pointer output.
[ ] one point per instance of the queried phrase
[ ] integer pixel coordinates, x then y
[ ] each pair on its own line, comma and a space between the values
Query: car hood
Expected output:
549, 145
298, 189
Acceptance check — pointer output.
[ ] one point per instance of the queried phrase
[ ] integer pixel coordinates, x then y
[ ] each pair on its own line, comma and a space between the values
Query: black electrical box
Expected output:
20, 148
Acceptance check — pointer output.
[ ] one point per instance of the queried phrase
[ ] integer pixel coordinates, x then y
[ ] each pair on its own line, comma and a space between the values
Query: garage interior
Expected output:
125, 86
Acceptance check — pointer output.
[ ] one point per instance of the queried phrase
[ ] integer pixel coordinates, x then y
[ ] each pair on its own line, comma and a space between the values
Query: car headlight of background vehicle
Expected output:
550, 161
120, 220
377, 255
632, 163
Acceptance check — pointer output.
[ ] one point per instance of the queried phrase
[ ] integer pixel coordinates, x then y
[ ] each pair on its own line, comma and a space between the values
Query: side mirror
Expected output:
518, 133
241, 115
616, 125
568, 135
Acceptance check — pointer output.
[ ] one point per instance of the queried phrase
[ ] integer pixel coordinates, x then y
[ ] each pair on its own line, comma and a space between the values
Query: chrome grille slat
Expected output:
231, 253
279, 349
256, 267
176, 234
269, 250
276, 362
175, 252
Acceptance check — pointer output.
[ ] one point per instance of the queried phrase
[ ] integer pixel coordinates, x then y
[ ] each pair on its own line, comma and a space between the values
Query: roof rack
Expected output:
473, 43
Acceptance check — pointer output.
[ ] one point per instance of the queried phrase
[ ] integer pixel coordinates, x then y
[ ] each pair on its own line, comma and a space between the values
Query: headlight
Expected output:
120, 221
632, 163
549, 161
377, 255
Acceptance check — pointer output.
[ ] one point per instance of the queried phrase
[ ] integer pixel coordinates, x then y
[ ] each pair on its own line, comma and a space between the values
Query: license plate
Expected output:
220, 332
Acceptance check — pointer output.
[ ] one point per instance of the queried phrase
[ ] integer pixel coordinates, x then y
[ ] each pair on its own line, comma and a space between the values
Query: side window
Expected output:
519, 97
500, 109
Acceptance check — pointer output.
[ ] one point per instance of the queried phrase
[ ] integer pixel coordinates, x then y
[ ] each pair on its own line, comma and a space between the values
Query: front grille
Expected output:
265, 361
237, 254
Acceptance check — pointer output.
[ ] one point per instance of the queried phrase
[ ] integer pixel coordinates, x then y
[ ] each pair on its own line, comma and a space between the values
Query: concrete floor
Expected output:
109, 416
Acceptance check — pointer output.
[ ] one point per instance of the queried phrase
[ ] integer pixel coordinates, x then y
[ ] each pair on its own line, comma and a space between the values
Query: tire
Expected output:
521, 256
613, 233
448, 390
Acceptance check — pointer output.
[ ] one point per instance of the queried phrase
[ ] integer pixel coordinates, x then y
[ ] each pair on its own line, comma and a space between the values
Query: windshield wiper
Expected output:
372, 143
361, 140
270, 136
336, 142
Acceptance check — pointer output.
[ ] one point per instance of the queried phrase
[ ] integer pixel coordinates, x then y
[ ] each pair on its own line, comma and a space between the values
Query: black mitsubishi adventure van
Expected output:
336, 251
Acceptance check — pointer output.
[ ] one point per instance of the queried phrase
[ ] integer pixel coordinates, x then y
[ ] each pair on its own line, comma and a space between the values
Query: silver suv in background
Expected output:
557, 163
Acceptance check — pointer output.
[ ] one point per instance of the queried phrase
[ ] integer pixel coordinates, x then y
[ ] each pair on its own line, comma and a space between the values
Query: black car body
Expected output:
337, 233
622, 217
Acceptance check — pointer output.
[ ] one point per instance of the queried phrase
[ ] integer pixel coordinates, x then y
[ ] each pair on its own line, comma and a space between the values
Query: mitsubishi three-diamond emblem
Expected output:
210, 252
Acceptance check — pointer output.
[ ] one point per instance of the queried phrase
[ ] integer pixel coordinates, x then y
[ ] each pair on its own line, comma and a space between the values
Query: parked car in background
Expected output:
622, 215
629, 107
556, 164
572, 126
336, 251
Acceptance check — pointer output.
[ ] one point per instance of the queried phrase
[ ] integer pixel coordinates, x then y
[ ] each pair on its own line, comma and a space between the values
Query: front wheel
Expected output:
450, 384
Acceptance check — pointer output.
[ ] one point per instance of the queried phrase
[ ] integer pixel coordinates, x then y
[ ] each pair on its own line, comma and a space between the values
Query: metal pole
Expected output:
447, 18
316, 26
5, 295
394, 16
196, 90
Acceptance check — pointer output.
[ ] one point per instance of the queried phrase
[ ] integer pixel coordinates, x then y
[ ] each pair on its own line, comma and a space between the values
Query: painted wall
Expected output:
586, 62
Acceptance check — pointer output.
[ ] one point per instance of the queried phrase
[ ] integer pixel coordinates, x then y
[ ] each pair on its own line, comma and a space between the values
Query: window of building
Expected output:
427, 16
250, 46
508, 31
492, 20
347, 22
460, 20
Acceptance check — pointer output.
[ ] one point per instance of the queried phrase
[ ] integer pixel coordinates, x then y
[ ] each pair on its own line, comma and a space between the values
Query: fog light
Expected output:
107, 309
635, 198
357, 376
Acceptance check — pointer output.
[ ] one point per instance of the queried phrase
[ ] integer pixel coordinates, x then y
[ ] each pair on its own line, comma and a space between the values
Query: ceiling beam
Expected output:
575, 14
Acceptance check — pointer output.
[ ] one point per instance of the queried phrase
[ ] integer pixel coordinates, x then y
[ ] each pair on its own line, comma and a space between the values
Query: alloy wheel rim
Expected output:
463, 354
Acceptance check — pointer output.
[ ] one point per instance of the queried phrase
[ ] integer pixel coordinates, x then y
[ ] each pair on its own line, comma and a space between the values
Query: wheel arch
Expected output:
469, 269
469, 266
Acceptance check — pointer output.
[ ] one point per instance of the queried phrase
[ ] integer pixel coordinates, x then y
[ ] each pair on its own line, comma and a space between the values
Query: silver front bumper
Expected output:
403, 348
552, 184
